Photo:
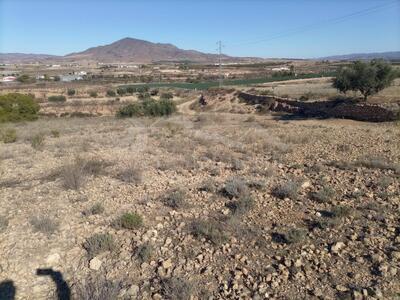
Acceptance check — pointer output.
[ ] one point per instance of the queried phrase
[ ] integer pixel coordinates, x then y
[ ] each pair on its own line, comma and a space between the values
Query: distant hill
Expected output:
393, 55
9, 58
134, 50
125, 50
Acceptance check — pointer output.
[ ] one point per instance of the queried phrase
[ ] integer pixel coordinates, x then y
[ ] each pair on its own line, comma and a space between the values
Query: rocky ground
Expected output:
201, 206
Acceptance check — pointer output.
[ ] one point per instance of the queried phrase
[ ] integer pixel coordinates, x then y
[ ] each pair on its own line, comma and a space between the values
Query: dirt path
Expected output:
184, 108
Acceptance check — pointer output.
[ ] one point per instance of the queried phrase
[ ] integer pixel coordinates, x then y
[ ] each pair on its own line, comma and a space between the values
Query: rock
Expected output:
53, 259
337, 247
166, 264
306, 184
95, 264
341, 288
133, 291
168, 241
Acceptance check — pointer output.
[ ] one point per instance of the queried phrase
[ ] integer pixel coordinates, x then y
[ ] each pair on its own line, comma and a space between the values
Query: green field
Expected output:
211, 84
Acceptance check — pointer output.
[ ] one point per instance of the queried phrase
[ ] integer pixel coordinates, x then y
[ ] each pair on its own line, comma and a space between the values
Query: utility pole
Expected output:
221, 79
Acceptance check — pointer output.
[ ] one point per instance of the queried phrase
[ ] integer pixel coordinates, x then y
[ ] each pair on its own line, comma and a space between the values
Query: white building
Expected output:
9, 79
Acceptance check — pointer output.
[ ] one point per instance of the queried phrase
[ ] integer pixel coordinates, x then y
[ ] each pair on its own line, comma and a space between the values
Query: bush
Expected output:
59, 98
44, 224
129, 221
55, 133
295, 235
145, 252
366, 77
149, 107
37, 141
18, 107
110, 93
242, 205
96, 289
325, 194
73, 176
26, 79
130, 90
176, 198
8, 135
177, 288
235, 188
99, 243
3, 223
154, 92
121, 91
210, 230
167, 96
93, 94
131, 174
341, 211
96, 209
287, 190
71, 92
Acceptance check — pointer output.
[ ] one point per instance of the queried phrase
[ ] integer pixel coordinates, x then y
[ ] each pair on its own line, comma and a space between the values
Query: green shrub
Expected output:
8, 135
26, 79
148, 107
71, 92
59, 98
366, 77
121, 91
143, 96
129, 221
37, 141
111, 93
93, 94
130, 90
167, 96
18, 107
99, 243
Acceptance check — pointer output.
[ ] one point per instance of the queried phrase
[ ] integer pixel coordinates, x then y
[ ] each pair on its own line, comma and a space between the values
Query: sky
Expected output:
269, 28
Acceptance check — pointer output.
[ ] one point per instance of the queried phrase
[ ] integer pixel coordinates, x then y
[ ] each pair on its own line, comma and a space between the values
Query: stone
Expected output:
53, 259
166, 264
337, 247
341, 288
133, 291
95, 264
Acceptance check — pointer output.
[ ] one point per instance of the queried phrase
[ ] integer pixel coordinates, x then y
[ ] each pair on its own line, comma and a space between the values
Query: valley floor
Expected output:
221, 206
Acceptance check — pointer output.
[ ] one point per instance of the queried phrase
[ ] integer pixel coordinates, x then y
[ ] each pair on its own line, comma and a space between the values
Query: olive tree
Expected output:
366, 77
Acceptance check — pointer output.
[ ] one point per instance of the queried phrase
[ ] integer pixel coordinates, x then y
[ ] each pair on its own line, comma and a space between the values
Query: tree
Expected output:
18, 107
71, 92
26, 79
366, 77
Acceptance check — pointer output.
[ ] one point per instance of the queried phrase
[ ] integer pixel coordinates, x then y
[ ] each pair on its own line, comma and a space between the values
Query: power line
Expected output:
317, 25
220, 78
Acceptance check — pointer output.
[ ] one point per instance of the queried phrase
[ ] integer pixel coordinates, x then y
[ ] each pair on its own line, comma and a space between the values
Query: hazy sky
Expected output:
284, 28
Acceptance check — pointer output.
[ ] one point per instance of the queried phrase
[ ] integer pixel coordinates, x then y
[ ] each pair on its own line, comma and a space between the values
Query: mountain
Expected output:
10, 58
139, 51
393, 55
